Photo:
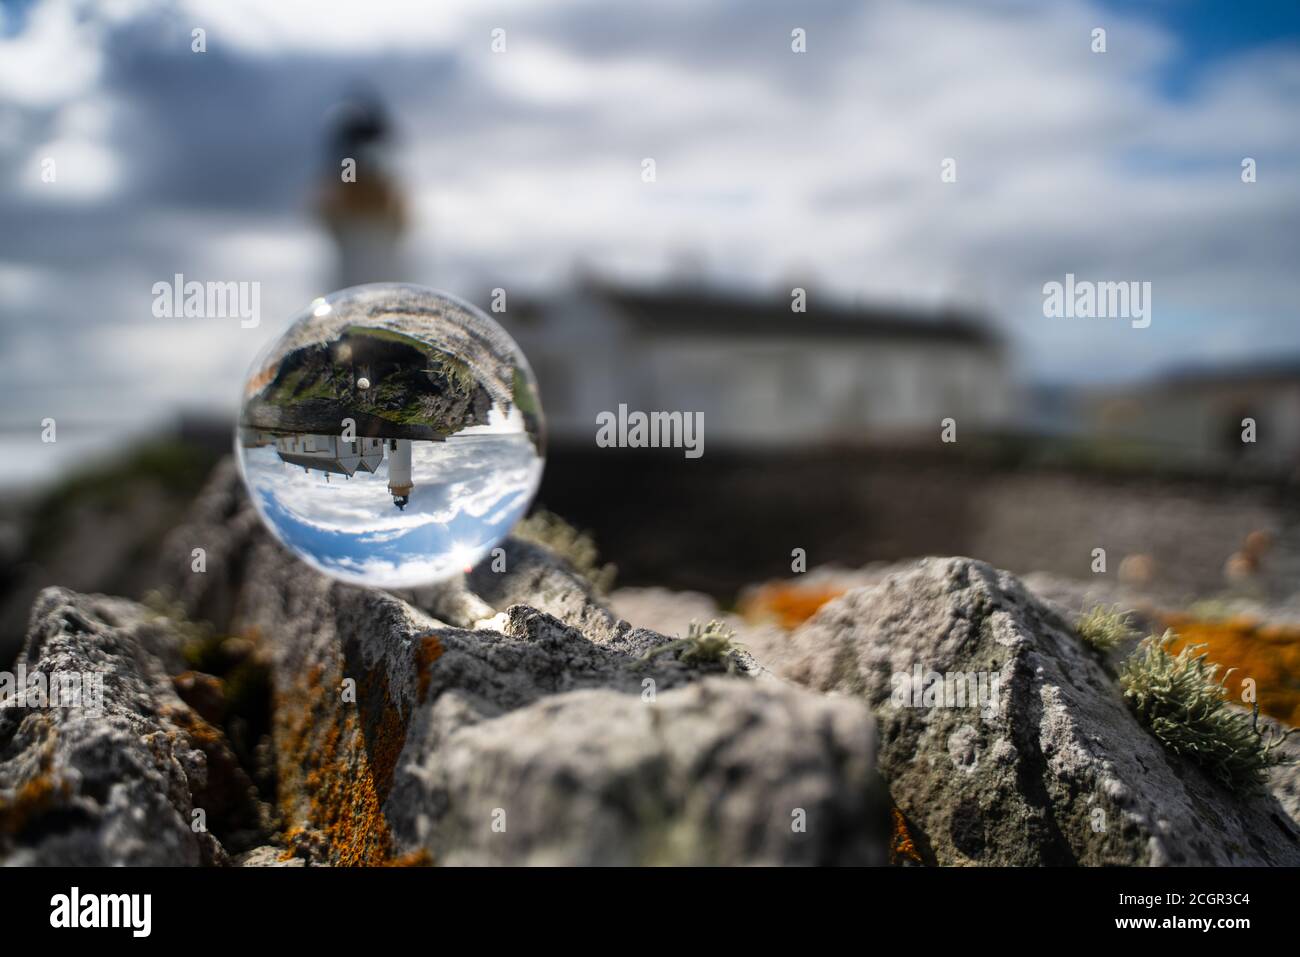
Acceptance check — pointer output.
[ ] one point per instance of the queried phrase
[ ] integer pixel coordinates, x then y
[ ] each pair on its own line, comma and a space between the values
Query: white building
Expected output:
760, 373
331, 454
1199, 417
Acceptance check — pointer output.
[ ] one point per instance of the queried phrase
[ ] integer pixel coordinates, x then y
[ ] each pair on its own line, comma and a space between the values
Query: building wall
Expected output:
794, 390
758, 390
1201, 424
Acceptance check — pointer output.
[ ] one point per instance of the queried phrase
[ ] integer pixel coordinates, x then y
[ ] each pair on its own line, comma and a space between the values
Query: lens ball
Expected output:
392, 436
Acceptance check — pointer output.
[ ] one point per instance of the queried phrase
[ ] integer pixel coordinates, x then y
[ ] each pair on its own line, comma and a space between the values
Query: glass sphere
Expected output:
392, 436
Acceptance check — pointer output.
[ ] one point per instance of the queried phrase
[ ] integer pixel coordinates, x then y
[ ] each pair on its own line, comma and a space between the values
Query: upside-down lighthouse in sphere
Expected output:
399, 471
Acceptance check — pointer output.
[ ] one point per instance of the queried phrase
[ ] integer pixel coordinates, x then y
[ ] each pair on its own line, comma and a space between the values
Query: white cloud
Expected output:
56, 56
823, 165
484, 477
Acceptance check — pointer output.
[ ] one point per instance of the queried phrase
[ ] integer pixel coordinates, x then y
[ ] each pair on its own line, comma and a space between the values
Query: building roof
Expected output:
685, 310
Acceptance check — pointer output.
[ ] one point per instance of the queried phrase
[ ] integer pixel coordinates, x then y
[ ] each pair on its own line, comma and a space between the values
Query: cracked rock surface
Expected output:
515, 717
1056, 770
505, 717
121, 783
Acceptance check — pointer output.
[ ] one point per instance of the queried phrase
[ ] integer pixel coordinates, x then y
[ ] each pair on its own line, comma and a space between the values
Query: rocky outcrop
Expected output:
511, 717
399, 737
720, 771
223, 528
125, 773
1051, 767
533, 575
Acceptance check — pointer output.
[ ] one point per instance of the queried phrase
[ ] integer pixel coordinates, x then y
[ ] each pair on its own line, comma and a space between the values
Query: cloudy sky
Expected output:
820, 169
469, 491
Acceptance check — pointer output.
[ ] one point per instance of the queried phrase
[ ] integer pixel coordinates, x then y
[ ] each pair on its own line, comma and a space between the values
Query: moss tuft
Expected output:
1183, 701
708, 645
1103, 629
577, 548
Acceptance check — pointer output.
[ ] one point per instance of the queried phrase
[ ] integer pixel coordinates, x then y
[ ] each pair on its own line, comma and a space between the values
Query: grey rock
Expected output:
118, 783
665, 611
1284, 780
268, 855
1056, 770
447, 723
723, 771
535, 576
222, 522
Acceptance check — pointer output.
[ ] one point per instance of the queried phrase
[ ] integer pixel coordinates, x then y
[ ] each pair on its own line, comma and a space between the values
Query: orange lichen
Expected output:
205, 693
337, 759
417, 858
429, 651
288, 838
1267, 654
902, 849
224, 790
787, 603
201, 733
36, 796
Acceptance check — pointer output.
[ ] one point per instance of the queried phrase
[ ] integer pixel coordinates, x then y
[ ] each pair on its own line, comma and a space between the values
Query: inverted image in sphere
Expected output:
392, 436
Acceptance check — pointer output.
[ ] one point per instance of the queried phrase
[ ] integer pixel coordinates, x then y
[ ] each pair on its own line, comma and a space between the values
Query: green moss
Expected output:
1103, 629
576, 547
713, 644
455, 372
524, 396
1182, 700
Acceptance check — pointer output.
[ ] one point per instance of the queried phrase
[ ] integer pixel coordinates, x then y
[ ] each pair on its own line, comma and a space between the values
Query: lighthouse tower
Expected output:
399, 471
360, 201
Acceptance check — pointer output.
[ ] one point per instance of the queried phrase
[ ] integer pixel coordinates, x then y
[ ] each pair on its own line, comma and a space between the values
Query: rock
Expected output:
268, 856
516, 717
444, 725
403, 721
534, 576
224, 524
665, 611
1284, 780
723, 771
118, 783
1056, 770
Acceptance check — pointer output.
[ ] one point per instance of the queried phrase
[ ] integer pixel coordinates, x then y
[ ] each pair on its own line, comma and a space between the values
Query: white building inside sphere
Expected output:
331, 454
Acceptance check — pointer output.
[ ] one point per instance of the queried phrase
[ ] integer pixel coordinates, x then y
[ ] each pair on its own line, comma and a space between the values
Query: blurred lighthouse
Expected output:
399, 471
361, 201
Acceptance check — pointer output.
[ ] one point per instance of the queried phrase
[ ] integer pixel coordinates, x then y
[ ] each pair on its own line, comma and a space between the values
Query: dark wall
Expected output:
725, 520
